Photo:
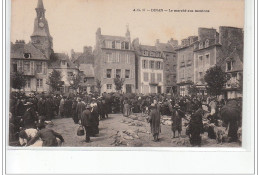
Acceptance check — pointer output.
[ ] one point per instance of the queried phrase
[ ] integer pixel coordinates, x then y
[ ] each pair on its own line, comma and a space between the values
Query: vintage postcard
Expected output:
95, 73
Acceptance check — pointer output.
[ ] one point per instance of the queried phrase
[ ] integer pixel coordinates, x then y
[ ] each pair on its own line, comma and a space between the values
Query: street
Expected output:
122, 131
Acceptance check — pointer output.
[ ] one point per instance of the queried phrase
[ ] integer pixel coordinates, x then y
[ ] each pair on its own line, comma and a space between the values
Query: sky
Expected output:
73, 23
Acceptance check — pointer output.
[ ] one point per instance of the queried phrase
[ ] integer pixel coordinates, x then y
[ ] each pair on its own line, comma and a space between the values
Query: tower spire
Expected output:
40, 5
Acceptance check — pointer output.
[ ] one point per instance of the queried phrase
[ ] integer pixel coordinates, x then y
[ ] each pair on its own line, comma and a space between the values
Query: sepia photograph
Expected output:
95, 73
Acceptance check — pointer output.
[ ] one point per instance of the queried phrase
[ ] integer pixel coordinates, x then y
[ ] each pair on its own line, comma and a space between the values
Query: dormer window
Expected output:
127, 45
229, 65
207, 43
113, 45
201, 45
63, 63
146, 53
27, 55
118, 45
123, 45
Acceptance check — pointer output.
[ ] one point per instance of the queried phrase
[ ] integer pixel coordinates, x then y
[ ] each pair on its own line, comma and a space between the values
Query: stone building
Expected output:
114, 57
32, 62
149, 68
87, 75
85, 57
62, 63
213, 48
185, 62
169, 55
233, 66
32, 58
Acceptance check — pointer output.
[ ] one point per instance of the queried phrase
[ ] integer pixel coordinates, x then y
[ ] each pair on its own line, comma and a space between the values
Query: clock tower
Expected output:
41, 37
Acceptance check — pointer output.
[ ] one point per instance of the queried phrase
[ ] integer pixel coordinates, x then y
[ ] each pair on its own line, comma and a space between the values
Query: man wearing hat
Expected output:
177, 115
86, 122
29, 117
154, 121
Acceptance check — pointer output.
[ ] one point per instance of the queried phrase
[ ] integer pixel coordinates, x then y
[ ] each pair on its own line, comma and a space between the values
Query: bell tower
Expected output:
41, 37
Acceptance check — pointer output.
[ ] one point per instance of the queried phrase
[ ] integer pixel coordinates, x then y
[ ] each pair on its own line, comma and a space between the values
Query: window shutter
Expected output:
114, 73
105, 73
31, 67
143, 64
162, 65
122, 73
132, 73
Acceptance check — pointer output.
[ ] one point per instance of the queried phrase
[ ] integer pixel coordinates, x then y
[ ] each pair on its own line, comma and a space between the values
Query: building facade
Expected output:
214, 48
62, 63
185, 62
114, 58
87, 84
169, 55
32, 58
149, 68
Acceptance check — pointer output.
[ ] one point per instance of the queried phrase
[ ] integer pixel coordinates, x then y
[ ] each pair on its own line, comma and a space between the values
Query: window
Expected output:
207, 43
127, 73
39, 83
153, 77
207, 59
152, 64
200, 60
63, 62
201, 45
117, 57
44, 68
200, 75
118, 73
27, 55
145, 62
118, 45
108, 44
20, 65
109, 58
174, 67
146, 78
127, 45
189, 62
26, 66
113, 44
159, 77
229, 65
85, 79
109, 86
123, 45
158, 65
28, 83
109, 71
39, 67
127, 59
15, 66
152, 54
70, 74
158, 54
145, 53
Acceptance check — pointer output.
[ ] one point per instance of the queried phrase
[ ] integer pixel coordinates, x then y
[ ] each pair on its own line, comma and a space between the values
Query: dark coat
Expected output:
29, 118
86, 119
48, 137
155, 121
80, 108
177, 116
41, 107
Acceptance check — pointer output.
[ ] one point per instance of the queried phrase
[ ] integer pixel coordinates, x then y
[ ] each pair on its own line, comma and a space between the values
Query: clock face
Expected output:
41, 24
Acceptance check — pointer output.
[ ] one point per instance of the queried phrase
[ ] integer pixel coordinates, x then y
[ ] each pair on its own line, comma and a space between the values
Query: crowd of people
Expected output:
34, 110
